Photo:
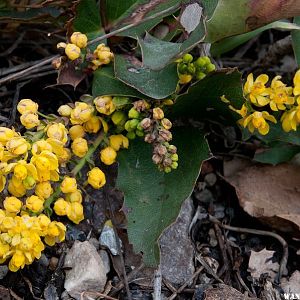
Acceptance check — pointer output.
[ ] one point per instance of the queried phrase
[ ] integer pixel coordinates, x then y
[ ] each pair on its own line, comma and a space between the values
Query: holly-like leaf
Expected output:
296, 41
202, 101
240, 16
105, 83
276, 154
155, 84
153, 198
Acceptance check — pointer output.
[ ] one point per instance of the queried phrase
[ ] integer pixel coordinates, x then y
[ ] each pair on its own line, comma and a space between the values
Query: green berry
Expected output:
200, 62
200, 75
133, 113
118, 118
191, 69
130, 135
127, 126
174, 157
139, 133
187, 58
210, 68
167, 169
174, 165
134, 123
182, 68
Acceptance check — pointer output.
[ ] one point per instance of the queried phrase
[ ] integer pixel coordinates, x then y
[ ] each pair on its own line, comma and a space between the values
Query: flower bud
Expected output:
34, 203
158, 113
157, 159
6, 134
149, 138
96, 178
20, 171
118, 141
79, 39
43, 190
80, 147
75, 212
76, 131
16, 187
167, 169
30, 120
17, 146
146, 123
72, 51
174, 157
166, 123
164, 135
182, 68
187, 58
27, 105
104, 105
133, 113
160, 150
65, 110
29, 183
210, 68
61, 207
168, 102
201, 62
74, 197
55, 233
68, 185
64, 157
185, 78
118, 118
108, 155
172, 149
139, 133
191, 69
131, 135
174, 165
200, 75
61, 45
93, 125
12, 204
105, 57
58, 131
167, 162
141, 105
81, 113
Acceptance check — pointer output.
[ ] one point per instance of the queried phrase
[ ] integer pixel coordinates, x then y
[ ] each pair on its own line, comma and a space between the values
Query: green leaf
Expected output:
277, 154
153, 199
209, 7
276, 133
230, 43
87, 19
296, 41
105, 83
157, 53
202, 101
155, 84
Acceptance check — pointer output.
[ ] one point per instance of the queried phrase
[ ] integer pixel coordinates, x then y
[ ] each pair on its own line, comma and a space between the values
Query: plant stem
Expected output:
44, 116
75, 170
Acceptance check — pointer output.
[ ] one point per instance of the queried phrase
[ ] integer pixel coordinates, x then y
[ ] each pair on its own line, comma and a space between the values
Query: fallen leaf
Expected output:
262, 263
293, 284
68, 75
270, 193
191, 17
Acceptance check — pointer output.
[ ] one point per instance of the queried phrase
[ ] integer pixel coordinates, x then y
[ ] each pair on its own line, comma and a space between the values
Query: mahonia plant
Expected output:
269, 103
39, 168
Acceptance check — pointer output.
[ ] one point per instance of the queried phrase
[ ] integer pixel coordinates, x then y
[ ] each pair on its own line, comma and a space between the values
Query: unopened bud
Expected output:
149, 138
165, 135
139, 133
130, 135
187, 58
166, 123
145, 123
156, 159
167, 162
174, 157
133, 113
141, 105
158, 113
167, 169
174, 165
160, 150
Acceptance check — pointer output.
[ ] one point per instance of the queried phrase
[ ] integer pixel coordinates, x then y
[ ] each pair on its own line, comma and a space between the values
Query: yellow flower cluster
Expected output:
277, 97
77, 49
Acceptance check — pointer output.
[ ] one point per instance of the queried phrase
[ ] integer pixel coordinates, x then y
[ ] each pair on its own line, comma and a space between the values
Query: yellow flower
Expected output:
108, 155
26, 106
256, 90
17, 261
242, 112
2, 182
20, 171
64, 157
280, 95
55, 233
81, 113
12, 204
79, 39
42, 222
105, 56
16, 187
75, 213
35, 203
6, 134
17, 146
257, 120
291, 119
72, 51
104, 105
118, 141
185, 78
68, 185
39, 146
93, 125
80, 147
57, 146
30, 120
296, 90
61, 207
76, 131
64, 110
58, 131
74, 197
44, 189
96, 178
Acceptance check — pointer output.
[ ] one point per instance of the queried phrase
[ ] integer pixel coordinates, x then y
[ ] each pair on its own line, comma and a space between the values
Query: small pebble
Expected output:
210, 179
53, 263
204, 196
3, 271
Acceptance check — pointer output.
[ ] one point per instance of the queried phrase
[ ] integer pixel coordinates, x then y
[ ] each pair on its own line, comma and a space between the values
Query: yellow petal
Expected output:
264, 129
263, 78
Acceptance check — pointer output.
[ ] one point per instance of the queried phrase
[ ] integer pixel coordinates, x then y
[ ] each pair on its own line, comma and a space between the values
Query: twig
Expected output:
282, 241
208, 269
157, 284
180, 290
130, 276
14, 45
96, 294
28, 70
14, 295
168, 284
